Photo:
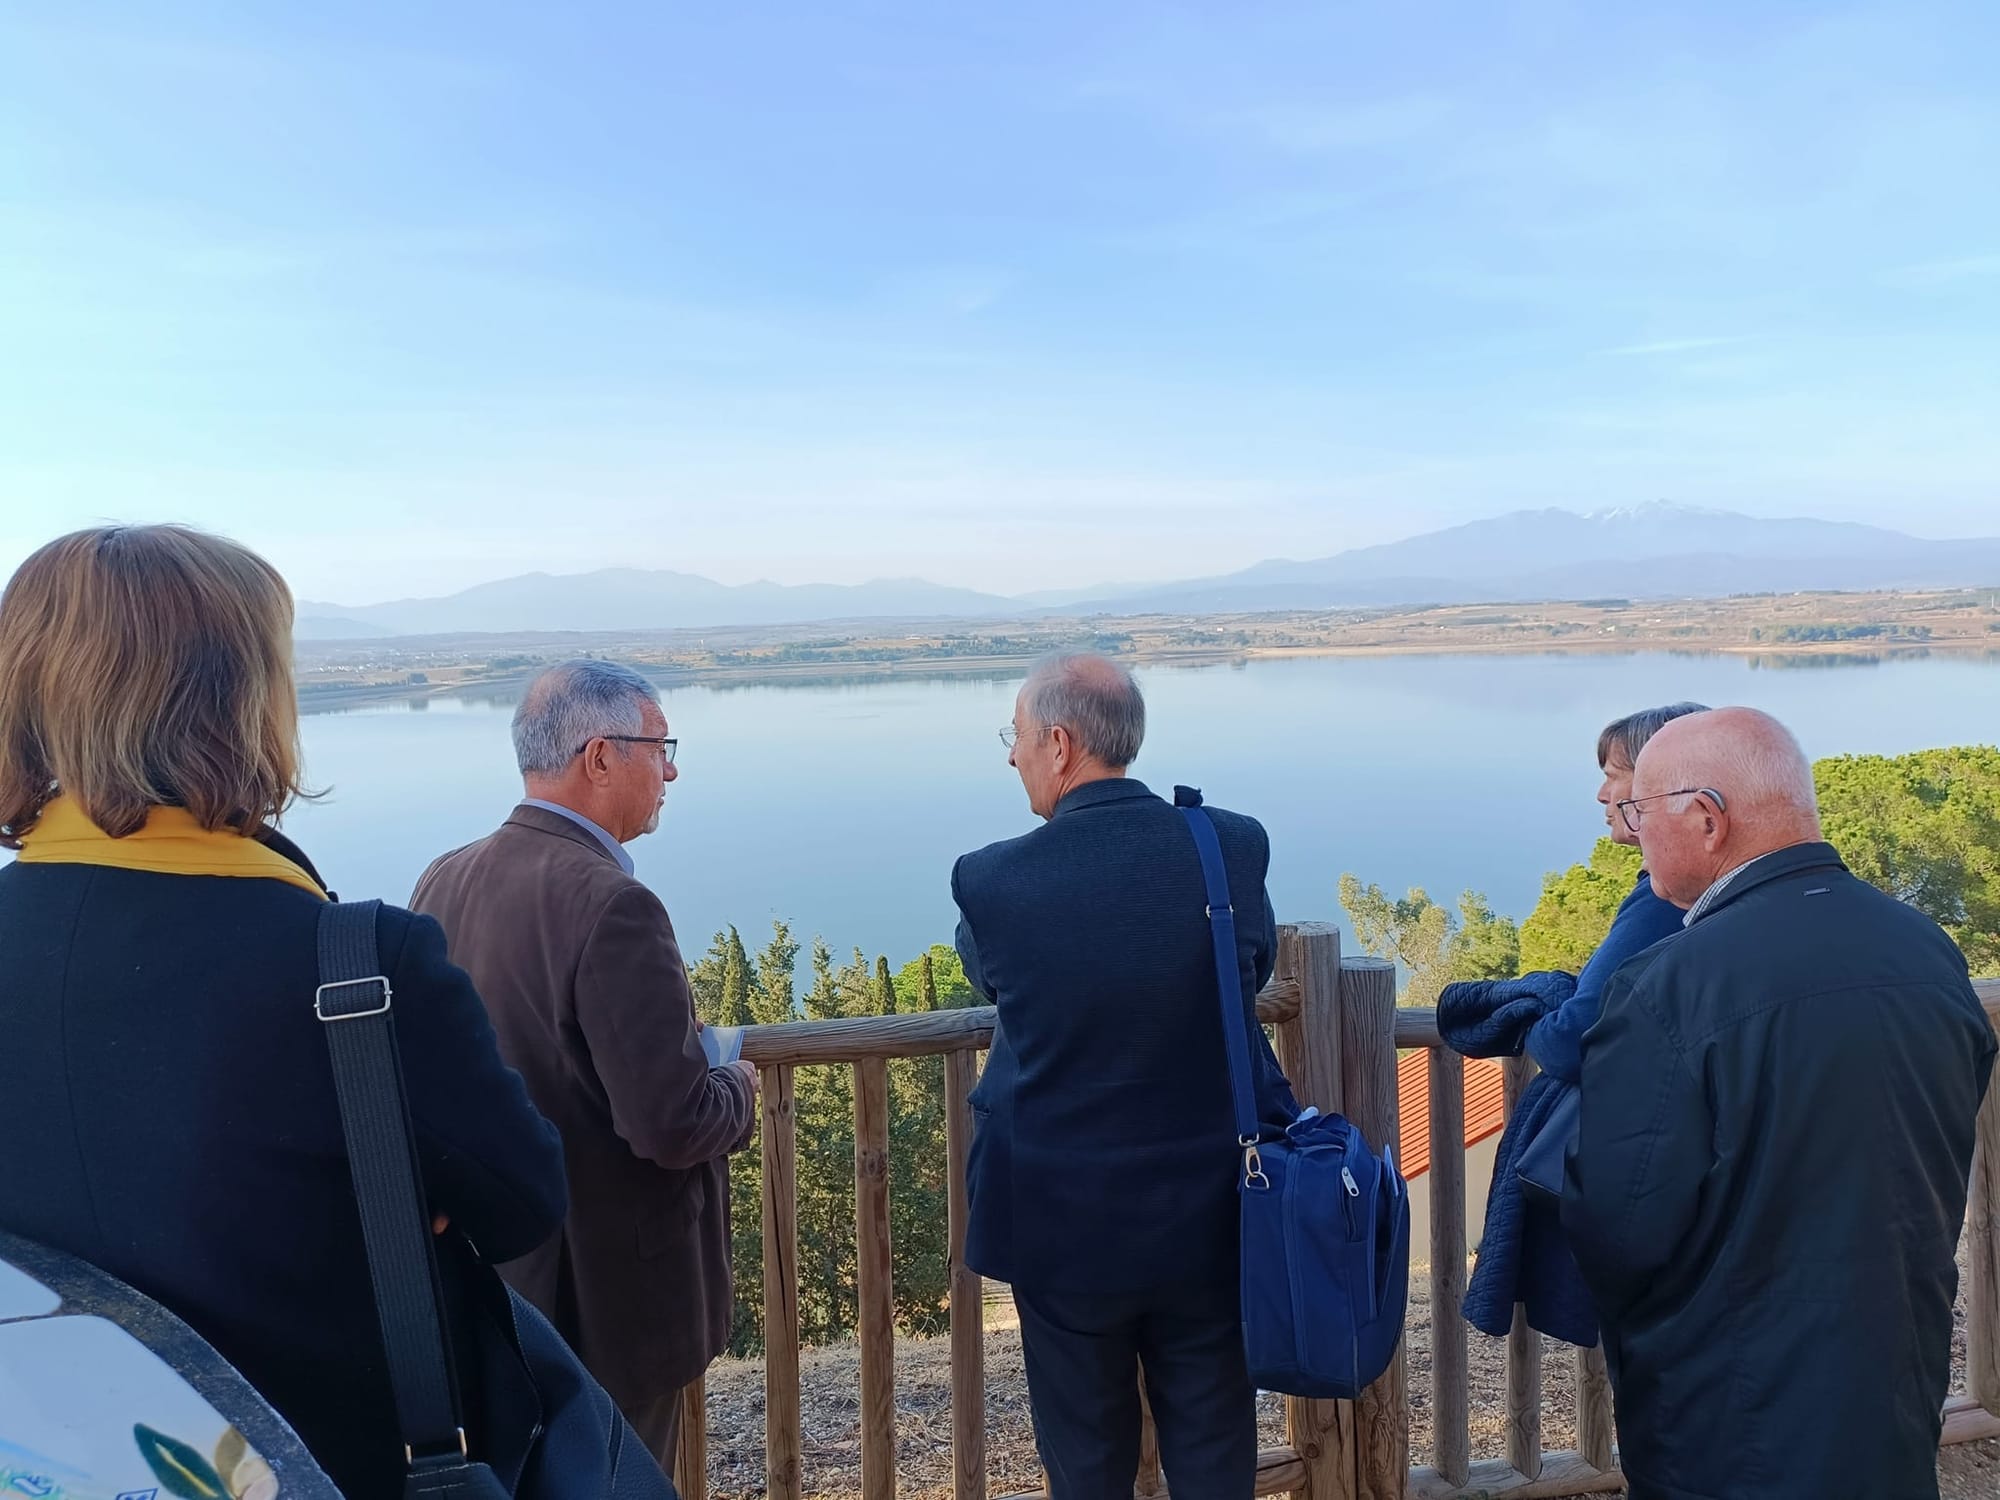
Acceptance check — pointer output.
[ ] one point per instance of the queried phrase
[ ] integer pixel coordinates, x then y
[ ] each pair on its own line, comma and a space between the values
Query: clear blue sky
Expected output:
1021, 295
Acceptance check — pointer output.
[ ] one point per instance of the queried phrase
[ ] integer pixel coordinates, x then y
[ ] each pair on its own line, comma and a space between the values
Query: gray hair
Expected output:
1092, 697
1623, 739
569, 705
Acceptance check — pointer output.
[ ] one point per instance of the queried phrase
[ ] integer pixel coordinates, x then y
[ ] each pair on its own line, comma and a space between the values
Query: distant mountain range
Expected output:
1657, 550
638, 599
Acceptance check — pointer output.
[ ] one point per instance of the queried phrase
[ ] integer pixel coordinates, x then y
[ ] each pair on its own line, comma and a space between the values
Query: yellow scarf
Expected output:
171, 843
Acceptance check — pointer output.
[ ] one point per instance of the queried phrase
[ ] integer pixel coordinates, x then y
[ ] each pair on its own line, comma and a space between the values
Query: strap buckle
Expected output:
320, 997
409, 1457
1253, 1164
1209, 911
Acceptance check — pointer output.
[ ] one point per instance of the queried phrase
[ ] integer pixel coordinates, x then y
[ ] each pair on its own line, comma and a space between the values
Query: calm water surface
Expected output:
841, 807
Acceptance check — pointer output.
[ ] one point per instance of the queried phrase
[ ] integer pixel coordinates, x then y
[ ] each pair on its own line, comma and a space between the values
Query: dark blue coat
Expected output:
170, 1118
1522, 1255
1104, 1153
1643, 919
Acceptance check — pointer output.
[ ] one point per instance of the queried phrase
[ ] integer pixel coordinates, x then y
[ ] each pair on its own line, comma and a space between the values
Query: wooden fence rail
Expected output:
1338, 1033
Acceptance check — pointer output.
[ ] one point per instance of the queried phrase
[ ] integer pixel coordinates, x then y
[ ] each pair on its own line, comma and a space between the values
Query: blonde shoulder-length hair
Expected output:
147, 666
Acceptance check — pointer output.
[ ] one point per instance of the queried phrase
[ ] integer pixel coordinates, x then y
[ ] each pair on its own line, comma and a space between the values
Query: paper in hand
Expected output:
722, 1044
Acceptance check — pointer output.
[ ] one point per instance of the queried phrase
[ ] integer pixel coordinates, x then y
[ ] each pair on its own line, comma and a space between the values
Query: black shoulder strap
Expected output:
354, 1003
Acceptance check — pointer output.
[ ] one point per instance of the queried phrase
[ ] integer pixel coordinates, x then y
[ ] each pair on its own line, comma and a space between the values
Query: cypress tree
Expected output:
736, 981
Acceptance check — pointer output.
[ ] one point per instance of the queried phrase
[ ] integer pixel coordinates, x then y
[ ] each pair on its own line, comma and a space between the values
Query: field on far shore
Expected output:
1788, 629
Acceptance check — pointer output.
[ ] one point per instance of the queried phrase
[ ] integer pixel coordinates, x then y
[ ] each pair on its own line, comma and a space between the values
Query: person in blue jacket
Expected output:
1556, 1041
1523, 1259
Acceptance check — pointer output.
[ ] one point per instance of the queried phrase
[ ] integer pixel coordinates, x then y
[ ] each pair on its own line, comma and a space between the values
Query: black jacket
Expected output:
1104, 1153
170, 1117
1768, 1187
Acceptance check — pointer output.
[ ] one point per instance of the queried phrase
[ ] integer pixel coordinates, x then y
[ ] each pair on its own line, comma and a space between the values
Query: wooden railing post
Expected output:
1982, 1232
1320, 1432
1368, 1087
1150, 1483
968, 1306
782, 1477
691, 1457
1451, 1416
1593, 1407
874, 1285
1524, 1348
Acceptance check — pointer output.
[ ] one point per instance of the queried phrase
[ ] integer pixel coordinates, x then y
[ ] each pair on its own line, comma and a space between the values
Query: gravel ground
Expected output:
831, 1408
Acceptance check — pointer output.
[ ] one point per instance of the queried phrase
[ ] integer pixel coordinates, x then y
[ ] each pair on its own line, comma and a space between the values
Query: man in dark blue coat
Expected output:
1104, 1160
1777, 1116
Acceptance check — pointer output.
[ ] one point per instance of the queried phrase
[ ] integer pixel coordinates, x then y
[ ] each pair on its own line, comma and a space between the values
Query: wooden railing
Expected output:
1338, 1032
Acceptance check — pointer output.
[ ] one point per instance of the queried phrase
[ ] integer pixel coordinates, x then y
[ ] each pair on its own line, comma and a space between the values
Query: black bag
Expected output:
1540, 1163
552, 1433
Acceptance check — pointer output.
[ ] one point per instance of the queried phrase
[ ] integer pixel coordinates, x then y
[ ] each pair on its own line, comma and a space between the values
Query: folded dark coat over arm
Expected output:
1635, 1174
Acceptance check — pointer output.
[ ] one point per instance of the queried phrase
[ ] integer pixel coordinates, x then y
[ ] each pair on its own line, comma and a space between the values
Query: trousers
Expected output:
1083, 1357
658, 1426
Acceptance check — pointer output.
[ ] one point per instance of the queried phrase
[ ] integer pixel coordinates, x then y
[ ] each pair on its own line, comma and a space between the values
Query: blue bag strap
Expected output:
1228, 972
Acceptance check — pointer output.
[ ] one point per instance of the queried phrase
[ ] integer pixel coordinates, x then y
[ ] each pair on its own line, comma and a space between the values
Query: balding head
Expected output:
1078, 718
1092, 697
1728, 785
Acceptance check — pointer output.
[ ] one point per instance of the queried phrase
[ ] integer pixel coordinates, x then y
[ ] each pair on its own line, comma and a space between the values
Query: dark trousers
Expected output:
1083, 1355
658, 1426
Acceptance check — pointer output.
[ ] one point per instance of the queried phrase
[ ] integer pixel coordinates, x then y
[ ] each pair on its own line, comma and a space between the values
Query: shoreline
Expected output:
319, 695
1789, 629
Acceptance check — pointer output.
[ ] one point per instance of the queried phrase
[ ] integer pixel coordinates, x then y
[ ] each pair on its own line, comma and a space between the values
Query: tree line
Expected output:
733, 987
1925, 827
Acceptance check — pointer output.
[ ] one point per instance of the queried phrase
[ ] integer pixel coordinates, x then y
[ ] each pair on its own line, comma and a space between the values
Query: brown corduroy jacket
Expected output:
580, 972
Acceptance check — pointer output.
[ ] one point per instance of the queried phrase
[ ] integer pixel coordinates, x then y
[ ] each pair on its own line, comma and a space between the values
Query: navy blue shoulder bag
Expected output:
1325, 1223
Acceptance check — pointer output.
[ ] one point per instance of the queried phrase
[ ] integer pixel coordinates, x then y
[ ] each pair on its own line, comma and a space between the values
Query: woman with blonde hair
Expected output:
171, 1114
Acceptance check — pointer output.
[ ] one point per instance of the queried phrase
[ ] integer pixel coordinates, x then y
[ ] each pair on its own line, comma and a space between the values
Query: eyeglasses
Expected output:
1010, 735
662, 743
1629, 808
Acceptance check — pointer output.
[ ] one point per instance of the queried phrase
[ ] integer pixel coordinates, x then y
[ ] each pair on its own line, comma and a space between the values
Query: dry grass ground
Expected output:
831, 1412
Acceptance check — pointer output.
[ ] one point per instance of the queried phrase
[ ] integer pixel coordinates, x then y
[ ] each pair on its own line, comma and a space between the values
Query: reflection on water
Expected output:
1807, 661
334, 700
316, 700
840, 805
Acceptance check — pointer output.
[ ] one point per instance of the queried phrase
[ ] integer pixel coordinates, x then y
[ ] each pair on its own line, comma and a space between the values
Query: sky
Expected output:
1018, 297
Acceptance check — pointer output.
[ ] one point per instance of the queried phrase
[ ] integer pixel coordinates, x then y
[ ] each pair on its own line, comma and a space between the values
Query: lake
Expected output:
840, 806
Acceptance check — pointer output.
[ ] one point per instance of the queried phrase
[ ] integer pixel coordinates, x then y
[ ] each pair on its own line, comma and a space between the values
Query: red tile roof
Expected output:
1485, 1105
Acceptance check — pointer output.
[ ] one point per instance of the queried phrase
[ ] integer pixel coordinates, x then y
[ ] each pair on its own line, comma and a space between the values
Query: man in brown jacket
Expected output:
577, 963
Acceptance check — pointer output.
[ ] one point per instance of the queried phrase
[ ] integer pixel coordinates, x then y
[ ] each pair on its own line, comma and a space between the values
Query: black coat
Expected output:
1104, 1153
170, 1117
1768, 1186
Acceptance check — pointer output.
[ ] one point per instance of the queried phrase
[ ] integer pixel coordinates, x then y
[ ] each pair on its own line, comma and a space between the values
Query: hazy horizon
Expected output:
1019, 300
